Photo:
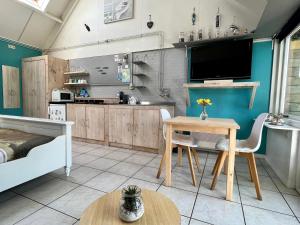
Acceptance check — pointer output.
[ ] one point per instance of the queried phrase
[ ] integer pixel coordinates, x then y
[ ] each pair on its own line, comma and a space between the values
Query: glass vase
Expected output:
131, 206
204, 114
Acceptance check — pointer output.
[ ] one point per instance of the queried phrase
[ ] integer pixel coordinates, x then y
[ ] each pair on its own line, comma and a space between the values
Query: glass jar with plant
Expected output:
131, 204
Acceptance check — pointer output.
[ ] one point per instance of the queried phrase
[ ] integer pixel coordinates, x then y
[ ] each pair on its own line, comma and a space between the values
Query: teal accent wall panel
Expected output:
12, 56
233, 103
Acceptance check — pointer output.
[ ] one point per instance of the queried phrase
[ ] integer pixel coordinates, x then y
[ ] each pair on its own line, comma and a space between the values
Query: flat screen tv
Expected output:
230, 59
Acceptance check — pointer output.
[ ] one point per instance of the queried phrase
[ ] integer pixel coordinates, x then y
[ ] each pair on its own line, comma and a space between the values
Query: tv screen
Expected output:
230, 59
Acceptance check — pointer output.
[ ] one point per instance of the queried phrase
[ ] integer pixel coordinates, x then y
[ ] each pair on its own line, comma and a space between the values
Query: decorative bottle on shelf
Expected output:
218, 24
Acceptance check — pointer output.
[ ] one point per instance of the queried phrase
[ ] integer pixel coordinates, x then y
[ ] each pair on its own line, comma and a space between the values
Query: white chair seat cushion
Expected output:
241, 145
185, 140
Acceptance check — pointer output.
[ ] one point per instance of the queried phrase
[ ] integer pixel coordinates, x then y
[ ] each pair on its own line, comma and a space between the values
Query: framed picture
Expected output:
117, 10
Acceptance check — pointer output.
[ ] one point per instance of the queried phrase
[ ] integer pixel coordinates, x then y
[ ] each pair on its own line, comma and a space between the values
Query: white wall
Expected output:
169, 16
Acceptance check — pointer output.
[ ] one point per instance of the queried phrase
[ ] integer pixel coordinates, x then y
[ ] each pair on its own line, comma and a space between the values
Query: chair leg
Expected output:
225, 166
191, 165
217, 163
179, 159
161, 165
219, 170
250, 170
196, 157
255, 175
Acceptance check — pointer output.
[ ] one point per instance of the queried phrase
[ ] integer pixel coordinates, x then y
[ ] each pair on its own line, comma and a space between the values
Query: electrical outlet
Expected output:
11, 46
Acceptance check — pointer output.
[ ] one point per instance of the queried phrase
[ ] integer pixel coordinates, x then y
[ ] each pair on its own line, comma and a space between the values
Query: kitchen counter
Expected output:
143, 103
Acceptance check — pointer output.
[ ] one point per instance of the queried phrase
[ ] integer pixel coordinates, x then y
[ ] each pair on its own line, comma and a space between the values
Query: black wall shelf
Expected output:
206, 41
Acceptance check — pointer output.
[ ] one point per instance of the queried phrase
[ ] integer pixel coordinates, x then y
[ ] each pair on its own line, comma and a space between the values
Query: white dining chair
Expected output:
182, 141
244, 148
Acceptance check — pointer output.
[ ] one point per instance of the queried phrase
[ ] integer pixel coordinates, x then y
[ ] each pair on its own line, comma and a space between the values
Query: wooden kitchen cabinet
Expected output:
76, 113
11, 87
89, 121
133, 127
146, 128
40, 75
95, 122
120, 124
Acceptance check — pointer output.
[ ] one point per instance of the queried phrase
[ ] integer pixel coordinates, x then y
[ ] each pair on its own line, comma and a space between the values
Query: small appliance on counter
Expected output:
133, 100
123, 99
62, 95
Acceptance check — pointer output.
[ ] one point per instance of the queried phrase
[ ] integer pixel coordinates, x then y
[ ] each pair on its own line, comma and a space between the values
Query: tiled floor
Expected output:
55, 199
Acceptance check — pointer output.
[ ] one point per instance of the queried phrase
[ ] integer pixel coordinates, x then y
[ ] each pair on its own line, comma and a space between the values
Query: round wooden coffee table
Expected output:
159, 210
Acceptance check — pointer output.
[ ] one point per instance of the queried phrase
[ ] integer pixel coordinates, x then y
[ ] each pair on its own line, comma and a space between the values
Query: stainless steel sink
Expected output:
156, 103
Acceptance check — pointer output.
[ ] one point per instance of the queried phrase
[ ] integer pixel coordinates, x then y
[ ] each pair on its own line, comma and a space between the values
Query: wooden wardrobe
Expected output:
40, 75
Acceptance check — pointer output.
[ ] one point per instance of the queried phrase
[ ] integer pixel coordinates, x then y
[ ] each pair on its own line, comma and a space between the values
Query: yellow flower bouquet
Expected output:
204, 102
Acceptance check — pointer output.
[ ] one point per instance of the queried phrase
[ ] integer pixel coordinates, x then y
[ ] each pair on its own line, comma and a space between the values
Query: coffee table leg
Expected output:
230, 168
168, 158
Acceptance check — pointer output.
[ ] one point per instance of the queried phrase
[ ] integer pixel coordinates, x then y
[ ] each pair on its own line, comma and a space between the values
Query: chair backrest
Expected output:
256, 132
165, 115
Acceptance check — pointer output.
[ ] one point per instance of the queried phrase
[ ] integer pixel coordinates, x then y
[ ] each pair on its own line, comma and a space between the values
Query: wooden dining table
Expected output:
227, 127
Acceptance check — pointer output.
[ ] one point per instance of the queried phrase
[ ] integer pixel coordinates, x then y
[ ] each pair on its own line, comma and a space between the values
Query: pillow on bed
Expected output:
23, 149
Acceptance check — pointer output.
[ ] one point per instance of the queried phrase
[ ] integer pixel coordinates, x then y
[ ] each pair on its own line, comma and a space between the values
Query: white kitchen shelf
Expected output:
252, 85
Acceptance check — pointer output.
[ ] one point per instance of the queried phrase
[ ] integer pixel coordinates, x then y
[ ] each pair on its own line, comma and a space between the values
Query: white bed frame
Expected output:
42, 159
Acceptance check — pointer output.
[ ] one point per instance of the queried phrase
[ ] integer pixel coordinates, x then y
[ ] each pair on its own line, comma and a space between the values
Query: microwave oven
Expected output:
62, 95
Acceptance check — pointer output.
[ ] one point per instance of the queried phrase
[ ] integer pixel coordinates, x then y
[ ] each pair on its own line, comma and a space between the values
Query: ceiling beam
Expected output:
69, 10
46, 14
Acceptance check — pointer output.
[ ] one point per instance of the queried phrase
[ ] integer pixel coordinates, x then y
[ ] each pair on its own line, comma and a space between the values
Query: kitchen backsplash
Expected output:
170, 63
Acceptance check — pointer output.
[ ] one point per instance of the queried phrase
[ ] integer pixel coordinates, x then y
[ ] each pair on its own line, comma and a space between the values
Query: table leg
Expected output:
230, 168
168, 158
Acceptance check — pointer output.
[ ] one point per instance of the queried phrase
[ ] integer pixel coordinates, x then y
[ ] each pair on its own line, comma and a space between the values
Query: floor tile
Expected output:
81, 175
266, 183
244, 170
106, 182
62, 171
76, 201
185, 220
294, 203
32, 184
184, 181
282, 188
84, 159
270, 200
256, 216
99, 152
217, 211
118, 155
197, 222
82, 149
126, 169
139, 159
219, 191
102, 163
49, 191
148, 154
184, 200
17, 208
208, 174
140, 183
47, 216
148, 174
6, 195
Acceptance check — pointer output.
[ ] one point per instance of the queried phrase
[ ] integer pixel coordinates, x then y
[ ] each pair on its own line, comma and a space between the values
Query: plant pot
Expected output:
131, 206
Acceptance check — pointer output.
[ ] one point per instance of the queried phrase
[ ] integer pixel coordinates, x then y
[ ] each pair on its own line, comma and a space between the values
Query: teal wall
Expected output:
13, 57
233, 103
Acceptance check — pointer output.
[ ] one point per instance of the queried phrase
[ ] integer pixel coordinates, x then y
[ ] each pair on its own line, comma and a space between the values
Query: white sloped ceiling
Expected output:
23, 24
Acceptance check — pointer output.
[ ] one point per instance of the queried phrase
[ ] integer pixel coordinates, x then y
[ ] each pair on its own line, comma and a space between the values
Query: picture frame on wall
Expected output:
118, 10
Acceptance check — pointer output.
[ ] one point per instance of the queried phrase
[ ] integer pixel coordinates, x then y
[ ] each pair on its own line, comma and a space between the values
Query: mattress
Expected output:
15, 144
